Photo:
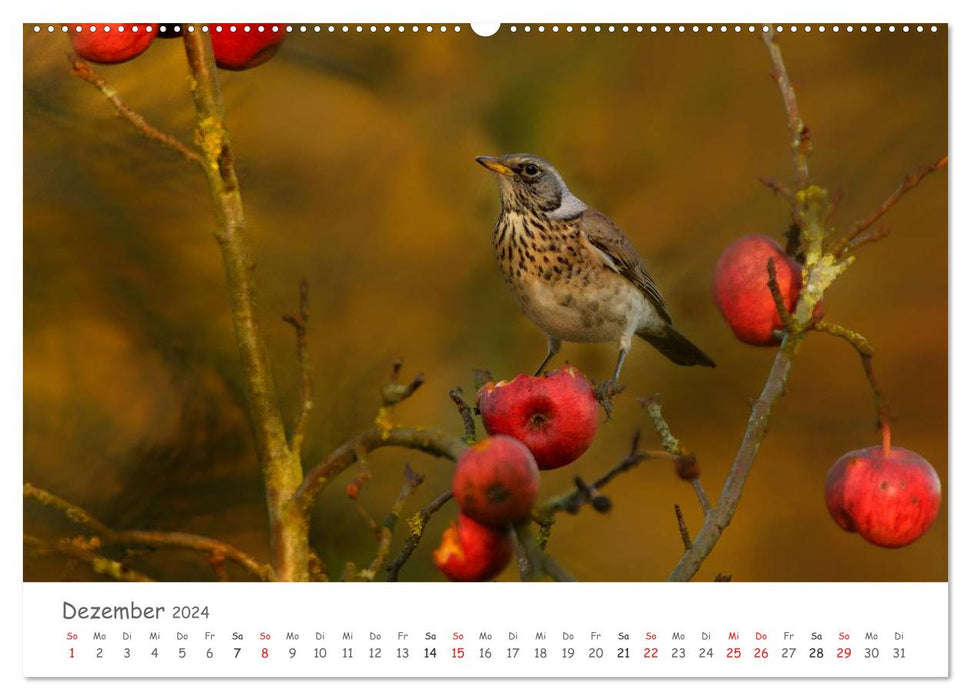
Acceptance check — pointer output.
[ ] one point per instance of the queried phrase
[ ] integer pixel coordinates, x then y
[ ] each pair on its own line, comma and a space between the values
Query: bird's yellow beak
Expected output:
495, 165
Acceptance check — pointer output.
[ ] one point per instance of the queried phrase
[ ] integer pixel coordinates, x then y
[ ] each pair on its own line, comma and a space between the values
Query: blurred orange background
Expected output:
355, 153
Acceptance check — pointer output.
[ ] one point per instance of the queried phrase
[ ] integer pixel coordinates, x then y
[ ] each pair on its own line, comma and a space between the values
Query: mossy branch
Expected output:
99, 564
216, 550
281, 468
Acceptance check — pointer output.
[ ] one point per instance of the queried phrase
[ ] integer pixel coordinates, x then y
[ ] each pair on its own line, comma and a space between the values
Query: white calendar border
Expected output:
508, 10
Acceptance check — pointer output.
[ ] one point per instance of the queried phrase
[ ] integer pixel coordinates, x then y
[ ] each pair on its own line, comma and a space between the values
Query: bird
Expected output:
574, 272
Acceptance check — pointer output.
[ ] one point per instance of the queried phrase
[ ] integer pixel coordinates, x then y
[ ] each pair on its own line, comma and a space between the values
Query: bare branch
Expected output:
778, 188
215, 549
780, 303
849, 241
416, 527
99, 564
799, 132
394, 392
299, 322
702, 495
534, 563
465, 411
685, 462
412, 481
86, 72
584, 493
281, 469
670, 443
682, 527
428, 440
720, 514
865, 350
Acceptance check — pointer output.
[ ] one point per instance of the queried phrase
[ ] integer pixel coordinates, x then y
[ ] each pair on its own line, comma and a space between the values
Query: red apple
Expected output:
247, 46
888, 494
741, 288
473, 552
496, 481
554, 416
120, 44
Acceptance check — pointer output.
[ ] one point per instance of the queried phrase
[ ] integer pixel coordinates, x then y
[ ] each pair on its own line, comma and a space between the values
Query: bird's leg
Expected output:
610, 388
552, 347
621, 356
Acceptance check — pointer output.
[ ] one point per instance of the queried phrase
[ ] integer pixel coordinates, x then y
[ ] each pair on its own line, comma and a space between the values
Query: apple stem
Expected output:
885, 428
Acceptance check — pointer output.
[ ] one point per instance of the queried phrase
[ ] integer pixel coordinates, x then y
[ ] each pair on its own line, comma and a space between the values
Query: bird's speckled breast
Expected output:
561, 285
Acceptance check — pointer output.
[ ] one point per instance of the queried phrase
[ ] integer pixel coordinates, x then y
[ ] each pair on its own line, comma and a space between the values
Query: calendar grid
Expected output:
486, 630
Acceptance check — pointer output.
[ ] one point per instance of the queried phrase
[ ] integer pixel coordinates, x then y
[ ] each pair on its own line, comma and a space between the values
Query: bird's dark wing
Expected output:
619, 255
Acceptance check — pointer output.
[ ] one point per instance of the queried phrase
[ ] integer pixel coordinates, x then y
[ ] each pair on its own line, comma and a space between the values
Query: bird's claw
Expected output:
606, 392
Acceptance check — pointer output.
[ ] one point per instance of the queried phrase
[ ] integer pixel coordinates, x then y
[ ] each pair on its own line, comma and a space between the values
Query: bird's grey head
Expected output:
528, 183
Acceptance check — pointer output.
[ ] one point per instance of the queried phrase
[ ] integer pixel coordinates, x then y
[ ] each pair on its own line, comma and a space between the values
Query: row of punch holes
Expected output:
487, 31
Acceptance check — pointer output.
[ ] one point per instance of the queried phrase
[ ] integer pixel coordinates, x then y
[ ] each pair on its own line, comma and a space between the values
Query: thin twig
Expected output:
778, 188
86, 72
147, 538
584, 493
780, 303
849, 241
412, 481
684, 461
682, 527
874, 235
416, 528
720, 514
534, 563
465, 411
865, 350
670, 443
799, 132
394, 392
99, 564
702, 495
834, 201
299, 322
428, 440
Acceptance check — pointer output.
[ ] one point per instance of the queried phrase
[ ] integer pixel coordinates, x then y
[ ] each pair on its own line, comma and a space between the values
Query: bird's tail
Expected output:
676, 347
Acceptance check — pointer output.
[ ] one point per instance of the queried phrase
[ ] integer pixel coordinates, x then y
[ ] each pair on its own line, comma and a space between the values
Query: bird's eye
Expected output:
530, 170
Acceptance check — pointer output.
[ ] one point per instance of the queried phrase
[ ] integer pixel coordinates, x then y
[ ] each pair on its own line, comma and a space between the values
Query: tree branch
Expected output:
281, 468
412, 482
468, 422
416, 527
299, 322
798, 130
99, 564
778, 188
685, 462
720, 515
850, 241
216, 549
428, 440
584, 493
865, 350
821, 269
534, 563
86, 72
780, 303
682, 527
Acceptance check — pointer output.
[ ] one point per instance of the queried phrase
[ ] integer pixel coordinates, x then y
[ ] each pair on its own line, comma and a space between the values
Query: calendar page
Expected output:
513, 350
